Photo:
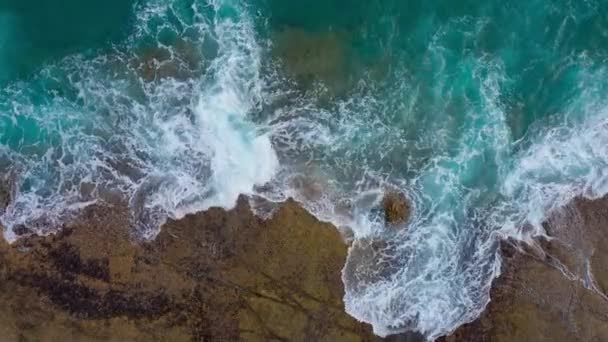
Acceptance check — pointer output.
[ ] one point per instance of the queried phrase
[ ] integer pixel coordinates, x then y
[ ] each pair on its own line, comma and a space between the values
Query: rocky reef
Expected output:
214, 276
228, 275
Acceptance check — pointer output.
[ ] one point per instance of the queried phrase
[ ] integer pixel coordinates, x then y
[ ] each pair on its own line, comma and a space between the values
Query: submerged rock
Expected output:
311, 57
5, 193
181, 60
396, 208
214, 276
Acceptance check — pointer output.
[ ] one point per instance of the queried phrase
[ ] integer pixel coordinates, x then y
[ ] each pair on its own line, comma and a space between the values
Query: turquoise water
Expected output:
38, 31
487, 116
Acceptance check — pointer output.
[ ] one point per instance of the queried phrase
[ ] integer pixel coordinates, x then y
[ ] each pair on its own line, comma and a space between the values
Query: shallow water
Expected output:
486, 115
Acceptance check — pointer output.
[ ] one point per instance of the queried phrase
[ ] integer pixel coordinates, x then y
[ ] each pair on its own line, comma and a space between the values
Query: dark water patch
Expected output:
37, 31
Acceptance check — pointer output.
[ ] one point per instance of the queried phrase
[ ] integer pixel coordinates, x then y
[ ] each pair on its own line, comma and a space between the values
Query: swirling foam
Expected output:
188, 122
115, 128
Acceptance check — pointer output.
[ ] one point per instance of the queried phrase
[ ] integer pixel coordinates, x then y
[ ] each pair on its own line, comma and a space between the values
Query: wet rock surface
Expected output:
555, 291
229, 276
5, 192
396, 208
213, 276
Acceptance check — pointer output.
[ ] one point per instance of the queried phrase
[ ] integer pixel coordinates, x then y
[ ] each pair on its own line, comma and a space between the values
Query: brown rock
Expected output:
396, 208
5, 193
214, 276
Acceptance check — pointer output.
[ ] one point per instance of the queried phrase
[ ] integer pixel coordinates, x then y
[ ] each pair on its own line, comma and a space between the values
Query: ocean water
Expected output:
486, 115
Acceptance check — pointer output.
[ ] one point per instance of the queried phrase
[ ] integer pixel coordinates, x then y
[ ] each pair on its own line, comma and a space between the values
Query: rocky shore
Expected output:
228, 275
555, 291
214, 276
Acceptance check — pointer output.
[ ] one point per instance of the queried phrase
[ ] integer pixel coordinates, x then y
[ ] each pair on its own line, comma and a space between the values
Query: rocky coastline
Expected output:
556, 290
229, 275
213, 276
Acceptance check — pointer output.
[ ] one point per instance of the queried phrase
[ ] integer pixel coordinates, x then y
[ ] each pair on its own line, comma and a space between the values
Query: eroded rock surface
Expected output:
213, 276
396, 208
228, 276
5, 192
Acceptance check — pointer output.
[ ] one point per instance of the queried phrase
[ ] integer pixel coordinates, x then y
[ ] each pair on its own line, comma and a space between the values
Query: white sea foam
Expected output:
565, 161
168, 146
446, 262
436, 274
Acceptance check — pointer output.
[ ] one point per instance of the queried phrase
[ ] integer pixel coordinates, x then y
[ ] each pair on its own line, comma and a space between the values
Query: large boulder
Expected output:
396, 208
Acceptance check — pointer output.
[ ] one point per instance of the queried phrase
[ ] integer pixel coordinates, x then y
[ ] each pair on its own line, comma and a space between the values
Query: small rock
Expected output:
396, 208
5, 194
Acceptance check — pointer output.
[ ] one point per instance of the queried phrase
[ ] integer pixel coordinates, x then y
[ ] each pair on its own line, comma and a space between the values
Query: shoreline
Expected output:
229, 275
217, 275
533, 300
